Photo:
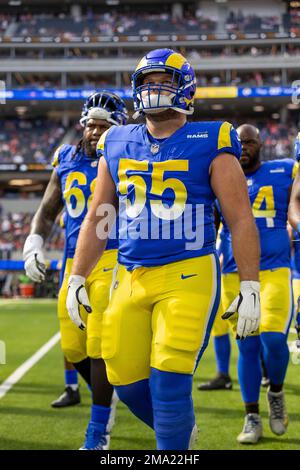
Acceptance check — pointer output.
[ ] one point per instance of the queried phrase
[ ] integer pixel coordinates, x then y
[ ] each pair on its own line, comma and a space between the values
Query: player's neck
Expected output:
253, 168
161, 129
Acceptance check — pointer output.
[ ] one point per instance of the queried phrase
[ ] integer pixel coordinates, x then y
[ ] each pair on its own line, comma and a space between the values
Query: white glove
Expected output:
247, 305
33, 256
77, 296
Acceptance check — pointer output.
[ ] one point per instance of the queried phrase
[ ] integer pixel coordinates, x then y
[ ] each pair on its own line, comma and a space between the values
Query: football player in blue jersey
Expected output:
295, 237
294, 206
269, 185
163, 177
294, 220
72, 186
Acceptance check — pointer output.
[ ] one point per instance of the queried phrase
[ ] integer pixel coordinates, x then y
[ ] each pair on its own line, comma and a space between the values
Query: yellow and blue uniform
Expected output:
269, 188
296, 244
166, 289
269, 196
296, 273
77, 173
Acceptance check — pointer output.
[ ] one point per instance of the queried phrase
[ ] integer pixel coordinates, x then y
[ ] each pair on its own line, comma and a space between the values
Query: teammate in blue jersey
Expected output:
269, 185
163, 178
294, 206
295, 237
294, 220
71, 186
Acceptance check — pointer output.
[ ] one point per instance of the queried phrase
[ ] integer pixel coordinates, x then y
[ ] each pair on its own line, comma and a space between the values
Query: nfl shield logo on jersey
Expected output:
154, 148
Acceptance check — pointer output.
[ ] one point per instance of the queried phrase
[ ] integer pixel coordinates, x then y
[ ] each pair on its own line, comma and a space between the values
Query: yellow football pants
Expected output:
159, 317
296, 290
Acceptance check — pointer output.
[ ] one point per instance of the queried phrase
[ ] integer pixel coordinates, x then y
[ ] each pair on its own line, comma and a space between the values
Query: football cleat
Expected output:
70, 397
252, 430
278, 418
220, 382
95, 439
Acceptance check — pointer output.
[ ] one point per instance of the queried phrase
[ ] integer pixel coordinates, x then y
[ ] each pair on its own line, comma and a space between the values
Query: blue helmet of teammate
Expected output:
181, 90
104, 105
297, 147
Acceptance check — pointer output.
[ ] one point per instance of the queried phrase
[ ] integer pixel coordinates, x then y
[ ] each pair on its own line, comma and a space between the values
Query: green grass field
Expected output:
28, 422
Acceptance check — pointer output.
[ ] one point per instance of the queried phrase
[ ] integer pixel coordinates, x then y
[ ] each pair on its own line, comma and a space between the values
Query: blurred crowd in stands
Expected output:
216, 78
14, 229
194, 54
24, 141
239, 22
108, 23
34, 141
147, 19
278, 139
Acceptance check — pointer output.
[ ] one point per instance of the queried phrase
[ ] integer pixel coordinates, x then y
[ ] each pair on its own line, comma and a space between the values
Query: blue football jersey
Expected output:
296, 255
78, 174
163, 186
269, 196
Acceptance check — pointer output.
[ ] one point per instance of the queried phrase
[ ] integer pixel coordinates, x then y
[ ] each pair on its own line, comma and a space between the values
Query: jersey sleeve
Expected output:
295, 170
56, 157
297, 147
62, 220
227, 141
101, 145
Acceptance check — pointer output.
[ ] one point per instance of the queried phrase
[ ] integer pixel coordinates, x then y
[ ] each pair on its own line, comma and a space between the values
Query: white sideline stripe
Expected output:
27, 365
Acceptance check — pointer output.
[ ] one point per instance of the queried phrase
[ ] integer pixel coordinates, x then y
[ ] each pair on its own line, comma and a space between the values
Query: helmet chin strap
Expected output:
164, 102
154, 103
153, 100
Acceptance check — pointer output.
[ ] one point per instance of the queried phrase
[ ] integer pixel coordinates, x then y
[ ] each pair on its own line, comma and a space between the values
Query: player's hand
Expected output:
35, 265
77, 296
247, 305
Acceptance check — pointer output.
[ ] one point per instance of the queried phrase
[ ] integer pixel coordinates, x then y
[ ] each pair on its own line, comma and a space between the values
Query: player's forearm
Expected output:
246, 248
49, 209
89, 248
43, 221
294, 212
294, 206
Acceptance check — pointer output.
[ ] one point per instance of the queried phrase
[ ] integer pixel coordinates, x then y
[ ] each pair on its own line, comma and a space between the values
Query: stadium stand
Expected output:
34, 141
236, 51
129, 21
108, 23
251, 23
14, 229
23, 141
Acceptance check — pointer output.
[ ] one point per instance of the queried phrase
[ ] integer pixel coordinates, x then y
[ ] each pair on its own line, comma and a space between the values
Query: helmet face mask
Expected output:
155, 97
106, 106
